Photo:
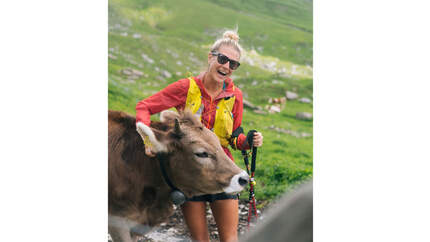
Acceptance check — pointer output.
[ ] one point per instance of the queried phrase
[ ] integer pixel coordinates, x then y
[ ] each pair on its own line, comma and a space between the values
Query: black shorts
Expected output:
213, 197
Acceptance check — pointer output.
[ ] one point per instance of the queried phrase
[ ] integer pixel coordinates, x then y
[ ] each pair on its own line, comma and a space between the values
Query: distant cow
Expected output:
196, 164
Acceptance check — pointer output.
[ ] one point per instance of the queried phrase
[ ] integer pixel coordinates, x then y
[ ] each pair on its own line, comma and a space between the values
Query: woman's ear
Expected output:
209, 57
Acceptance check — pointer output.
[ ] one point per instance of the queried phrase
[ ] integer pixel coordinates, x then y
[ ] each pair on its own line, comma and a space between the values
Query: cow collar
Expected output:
176, 195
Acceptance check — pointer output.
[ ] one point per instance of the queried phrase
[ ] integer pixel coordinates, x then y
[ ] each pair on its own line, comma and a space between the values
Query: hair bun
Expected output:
231, 35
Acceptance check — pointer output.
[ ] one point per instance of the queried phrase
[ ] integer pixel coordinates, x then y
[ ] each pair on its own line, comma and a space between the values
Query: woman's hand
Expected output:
258, 139
149, 151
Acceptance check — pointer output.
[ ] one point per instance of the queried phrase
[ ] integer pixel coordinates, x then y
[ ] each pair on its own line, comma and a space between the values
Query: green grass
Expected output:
176, 35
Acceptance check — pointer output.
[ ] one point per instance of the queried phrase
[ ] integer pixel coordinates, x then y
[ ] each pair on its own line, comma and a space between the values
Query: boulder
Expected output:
127, 71
257, 111
274, 109
132, 73
166, 74
137, 73
291, 95
305, 100
248, 104
137, 36
146, 58
304, 116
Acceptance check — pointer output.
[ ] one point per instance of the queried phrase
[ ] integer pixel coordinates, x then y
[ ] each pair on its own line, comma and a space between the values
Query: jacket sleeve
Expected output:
174, 95
240, 142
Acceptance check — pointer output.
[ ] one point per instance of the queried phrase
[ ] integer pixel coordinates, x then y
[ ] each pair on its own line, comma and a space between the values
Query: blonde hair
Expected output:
230, 38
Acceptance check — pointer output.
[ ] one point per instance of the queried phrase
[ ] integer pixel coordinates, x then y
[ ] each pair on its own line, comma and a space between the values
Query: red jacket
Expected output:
175, 95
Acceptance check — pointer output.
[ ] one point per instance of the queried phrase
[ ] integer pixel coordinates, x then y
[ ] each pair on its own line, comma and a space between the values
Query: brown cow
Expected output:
196, 164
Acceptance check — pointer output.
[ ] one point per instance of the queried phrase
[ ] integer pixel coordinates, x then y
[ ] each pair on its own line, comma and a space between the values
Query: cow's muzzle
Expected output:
237, 183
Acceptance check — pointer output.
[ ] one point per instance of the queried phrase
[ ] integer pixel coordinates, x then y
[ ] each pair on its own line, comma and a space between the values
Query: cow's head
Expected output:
197, 164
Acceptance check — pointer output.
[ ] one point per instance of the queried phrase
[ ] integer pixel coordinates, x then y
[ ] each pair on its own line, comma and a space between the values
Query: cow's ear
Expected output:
148, 136
168, 116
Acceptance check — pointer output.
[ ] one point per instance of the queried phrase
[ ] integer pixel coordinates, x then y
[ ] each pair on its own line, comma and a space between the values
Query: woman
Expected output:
214, 97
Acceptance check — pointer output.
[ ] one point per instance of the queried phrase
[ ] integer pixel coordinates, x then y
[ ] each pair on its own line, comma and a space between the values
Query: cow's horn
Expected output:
144, 130
177, 127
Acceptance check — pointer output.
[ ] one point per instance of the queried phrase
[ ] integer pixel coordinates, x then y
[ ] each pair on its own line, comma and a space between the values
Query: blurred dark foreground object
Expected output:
290, 220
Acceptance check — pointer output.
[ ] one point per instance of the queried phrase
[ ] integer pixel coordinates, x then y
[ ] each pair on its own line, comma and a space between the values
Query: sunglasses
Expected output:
222, 59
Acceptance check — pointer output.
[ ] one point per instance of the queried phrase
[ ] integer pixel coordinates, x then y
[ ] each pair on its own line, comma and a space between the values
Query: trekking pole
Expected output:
252, 204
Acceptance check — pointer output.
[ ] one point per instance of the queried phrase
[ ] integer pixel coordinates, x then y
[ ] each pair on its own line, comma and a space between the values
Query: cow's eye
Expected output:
202, 154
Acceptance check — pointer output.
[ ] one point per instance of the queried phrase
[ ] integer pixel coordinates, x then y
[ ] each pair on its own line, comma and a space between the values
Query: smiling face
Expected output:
219, 72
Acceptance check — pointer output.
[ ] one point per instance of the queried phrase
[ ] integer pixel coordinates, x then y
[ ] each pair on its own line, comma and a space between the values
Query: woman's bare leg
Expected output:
195, 218
226, 214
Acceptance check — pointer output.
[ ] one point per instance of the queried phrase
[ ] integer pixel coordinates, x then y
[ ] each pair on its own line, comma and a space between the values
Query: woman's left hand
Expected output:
258, 139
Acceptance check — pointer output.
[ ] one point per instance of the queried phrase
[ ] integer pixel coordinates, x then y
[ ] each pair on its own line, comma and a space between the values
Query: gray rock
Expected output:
248, 104
132, 73
291, 95
305, 100
306, 134
137, 36
174, 54
274, 109
137, 73
290, 132
112, 56
127, 71
147, 59
304, 116
260, 112
166, 74
271, 66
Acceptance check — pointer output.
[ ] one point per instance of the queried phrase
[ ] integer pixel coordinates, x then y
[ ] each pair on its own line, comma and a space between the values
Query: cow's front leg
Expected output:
119, 230
120, 234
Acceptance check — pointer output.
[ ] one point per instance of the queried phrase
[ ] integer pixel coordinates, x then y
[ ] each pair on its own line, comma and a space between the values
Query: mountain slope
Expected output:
154, 43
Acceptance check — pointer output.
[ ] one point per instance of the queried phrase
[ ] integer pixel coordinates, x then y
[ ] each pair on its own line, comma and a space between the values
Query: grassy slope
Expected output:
177, 35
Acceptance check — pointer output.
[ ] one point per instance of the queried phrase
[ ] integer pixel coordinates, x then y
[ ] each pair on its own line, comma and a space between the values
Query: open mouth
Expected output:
221, 73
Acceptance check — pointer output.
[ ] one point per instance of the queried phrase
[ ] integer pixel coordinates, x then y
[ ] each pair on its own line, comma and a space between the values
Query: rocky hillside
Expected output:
154, 43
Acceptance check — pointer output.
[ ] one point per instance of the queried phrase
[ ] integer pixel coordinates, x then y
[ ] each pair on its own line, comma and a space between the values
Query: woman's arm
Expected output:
174, 95
241, 142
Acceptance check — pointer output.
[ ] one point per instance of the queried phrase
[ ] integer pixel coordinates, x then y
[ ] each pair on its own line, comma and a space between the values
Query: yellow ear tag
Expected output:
146, 141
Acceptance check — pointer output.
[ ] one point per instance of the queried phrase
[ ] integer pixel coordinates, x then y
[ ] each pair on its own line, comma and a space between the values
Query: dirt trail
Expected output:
175, 230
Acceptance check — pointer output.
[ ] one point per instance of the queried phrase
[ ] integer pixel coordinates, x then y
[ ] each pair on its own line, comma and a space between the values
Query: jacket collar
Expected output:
227, 87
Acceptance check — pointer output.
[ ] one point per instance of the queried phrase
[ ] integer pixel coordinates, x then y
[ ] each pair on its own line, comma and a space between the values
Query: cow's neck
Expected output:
158, 180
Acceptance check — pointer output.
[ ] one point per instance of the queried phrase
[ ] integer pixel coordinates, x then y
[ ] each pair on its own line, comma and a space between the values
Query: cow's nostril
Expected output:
243, 181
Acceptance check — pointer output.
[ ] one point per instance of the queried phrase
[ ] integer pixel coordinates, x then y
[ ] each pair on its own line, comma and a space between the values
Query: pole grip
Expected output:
250, 140
253, 159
